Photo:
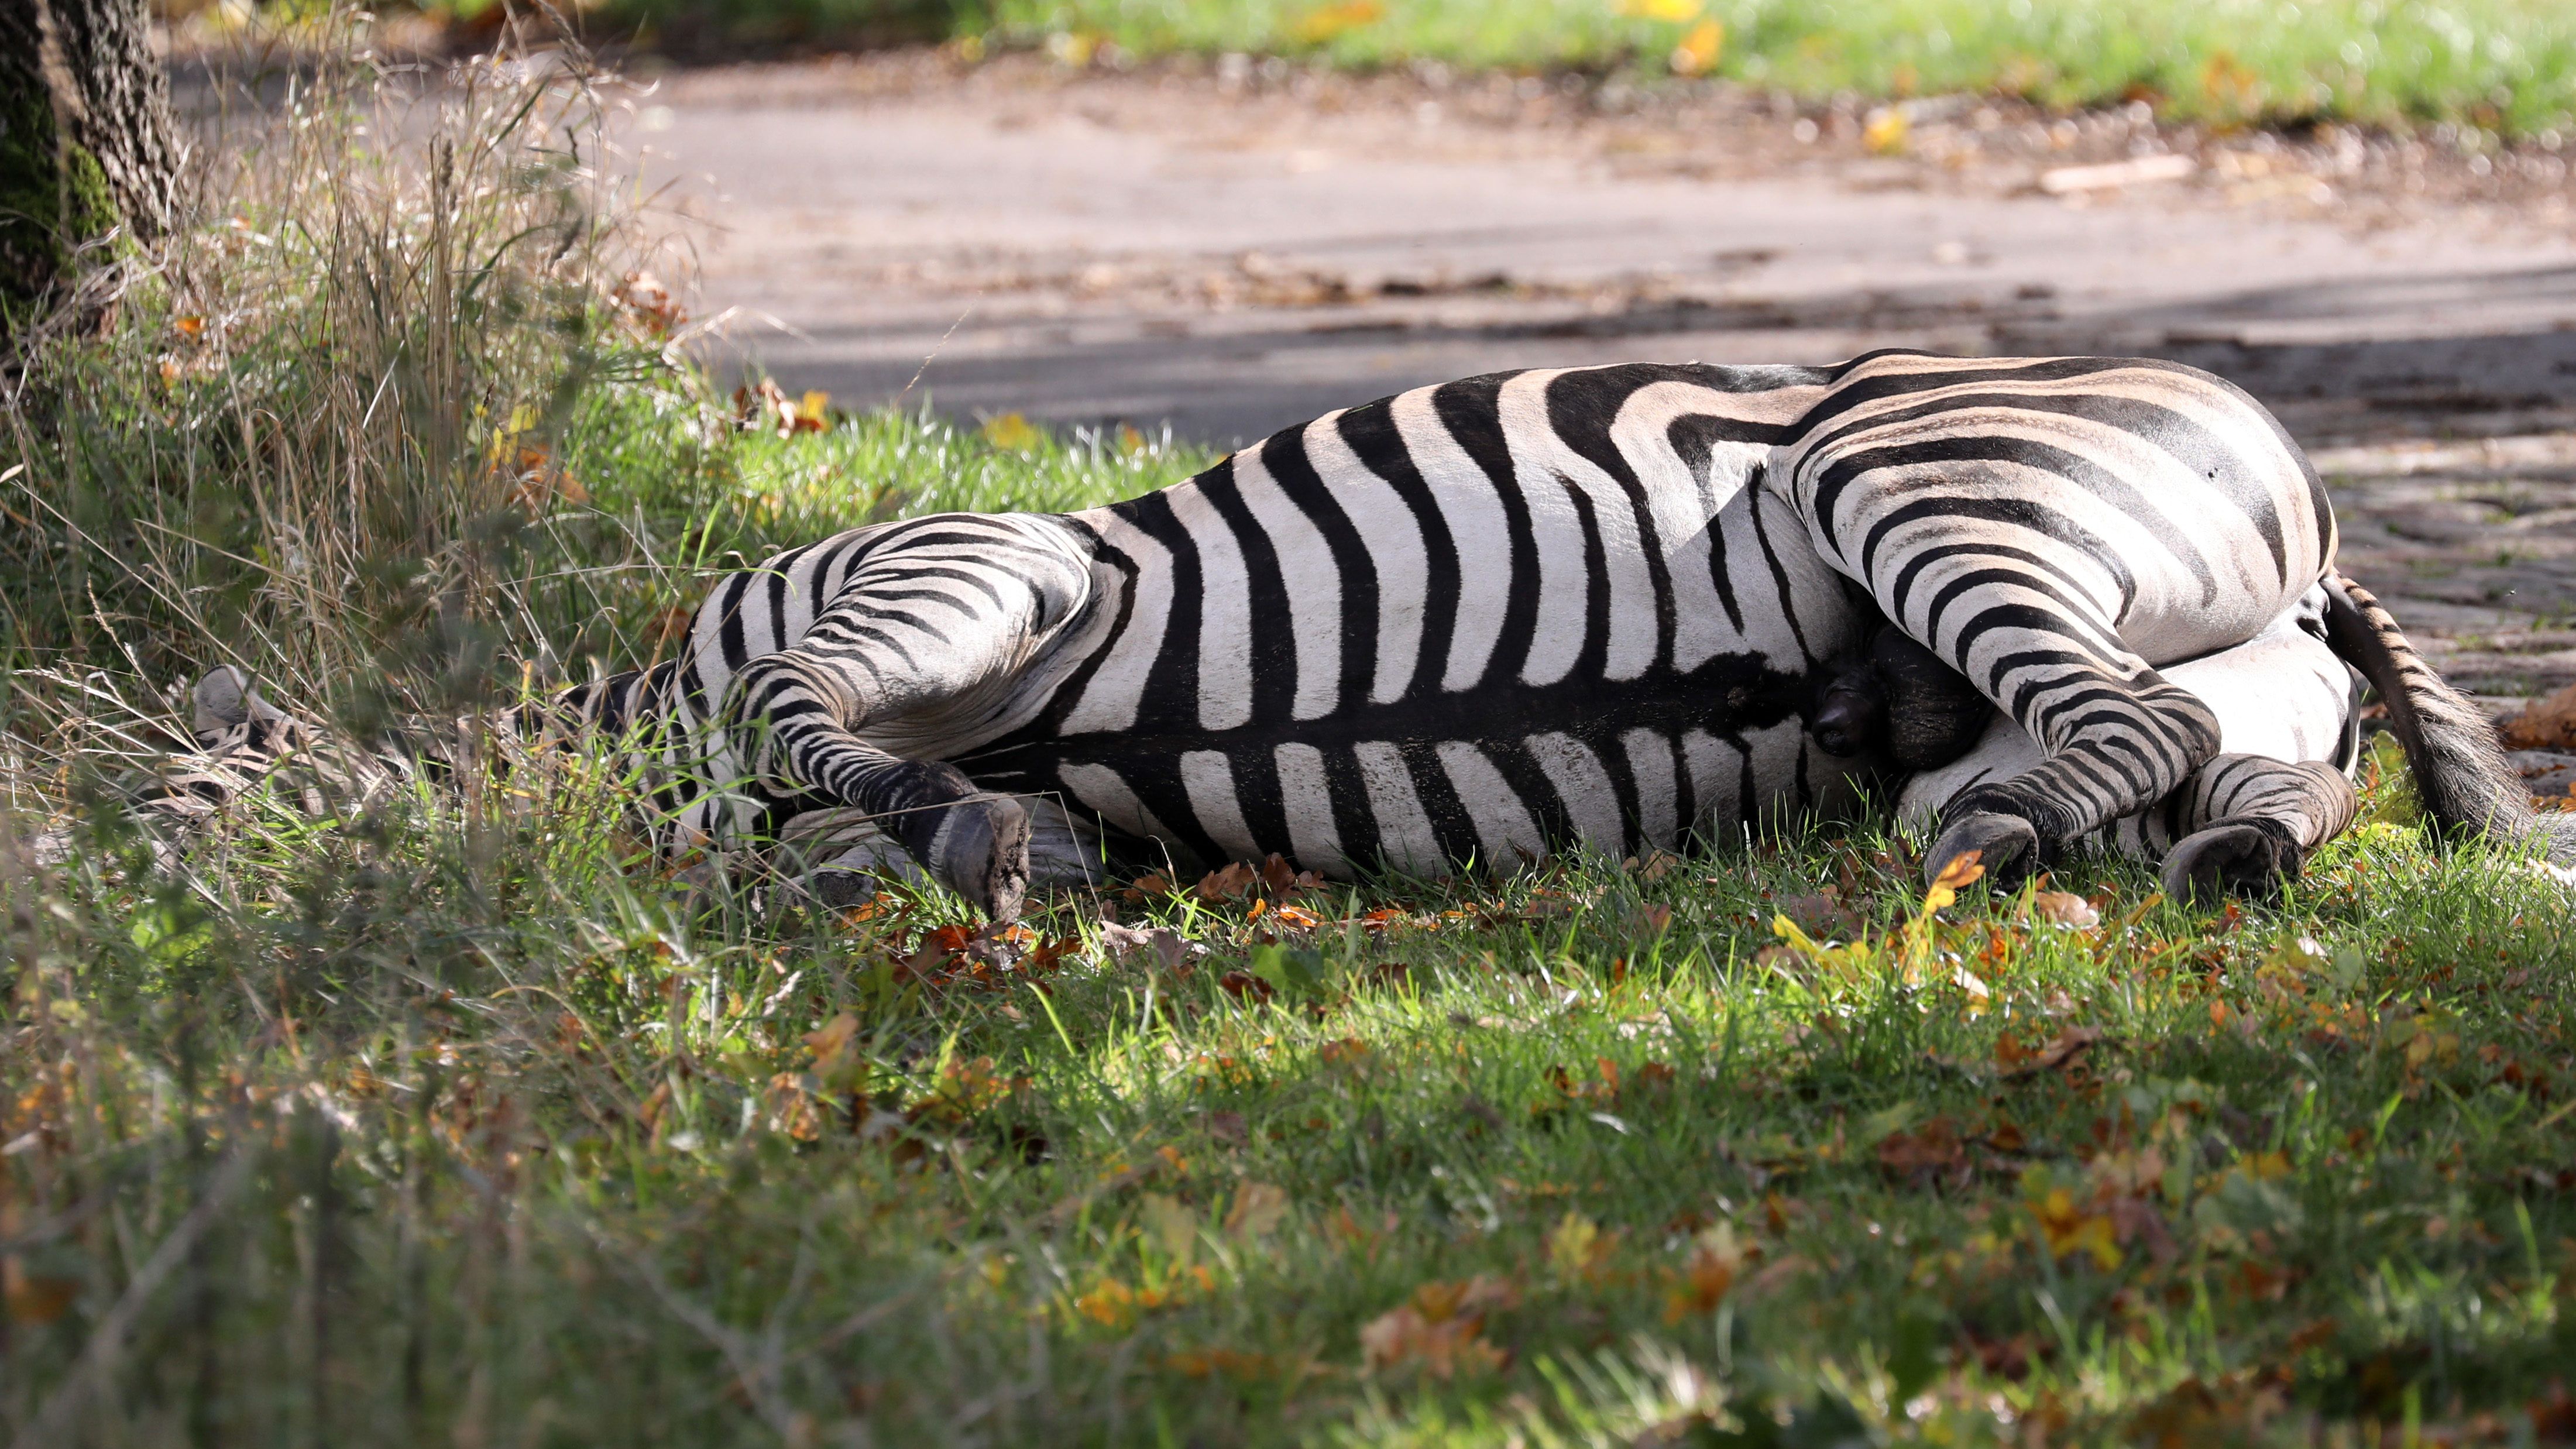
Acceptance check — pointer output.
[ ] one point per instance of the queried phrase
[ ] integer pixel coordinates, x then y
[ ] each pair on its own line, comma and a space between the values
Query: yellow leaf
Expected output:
1699, 49
2264, 1166
812, 406
1962, 870
1011, 433
1174, 1226
1322, 25
1675, 11
1577, 1246
1886, 132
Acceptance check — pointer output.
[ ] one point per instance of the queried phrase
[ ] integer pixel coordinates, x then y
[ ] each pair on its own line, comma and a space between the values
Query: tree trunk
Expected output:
87, 143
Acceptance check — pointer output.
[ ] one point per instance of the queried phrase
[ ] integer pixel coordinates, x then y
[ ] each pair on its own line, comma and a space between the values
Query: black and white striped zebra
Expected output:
1483, 620
1611, 606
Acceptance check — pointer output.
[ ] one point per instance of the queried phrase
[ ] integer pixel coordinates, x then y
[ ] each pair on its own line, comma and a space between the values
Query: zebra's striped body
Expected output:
1482, 620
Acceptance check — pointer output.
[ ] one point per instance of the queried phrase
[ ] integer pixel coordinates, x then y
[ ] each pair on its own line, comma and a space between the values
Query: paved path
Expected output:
1230, 258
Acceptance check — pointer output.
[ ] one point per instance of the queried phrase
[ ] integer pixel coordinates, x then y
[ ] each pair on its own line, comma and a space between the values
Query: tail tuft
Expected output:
2451, 747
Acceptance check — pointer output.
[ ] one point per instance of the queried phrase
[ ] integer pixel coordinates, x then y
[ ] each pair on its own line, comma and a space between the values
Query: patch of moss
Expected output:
54, 199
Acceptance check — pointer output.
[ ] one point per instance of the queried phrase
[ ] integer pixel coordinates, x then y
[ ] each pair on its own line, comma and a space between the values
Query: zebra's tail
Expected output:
2451, 747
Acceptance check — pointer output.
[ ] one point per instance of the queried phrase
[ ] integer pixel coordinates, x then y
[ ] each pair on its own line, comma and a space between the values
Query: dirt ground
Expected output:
1233, 247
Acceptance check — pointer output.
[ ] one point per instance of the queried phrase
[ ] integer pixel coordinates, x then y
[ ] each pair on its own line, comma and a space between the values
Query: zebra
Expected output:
2047, 603
1484, 620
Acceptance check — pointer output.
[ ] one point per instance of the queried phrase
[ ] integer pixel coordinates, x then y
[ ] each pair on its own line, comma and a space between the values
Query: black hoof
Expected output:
2226, 858
841, 889
2006, 845
982, 853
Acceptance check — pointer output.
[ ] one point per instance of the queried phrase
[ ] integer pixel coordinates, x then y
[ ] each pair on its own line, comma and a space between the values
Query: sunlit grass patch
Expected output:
2507, 65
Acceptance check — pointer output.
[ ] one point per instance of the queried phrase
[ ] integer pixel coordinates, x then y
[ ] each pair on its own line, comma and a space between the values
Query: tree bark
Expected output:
87, 142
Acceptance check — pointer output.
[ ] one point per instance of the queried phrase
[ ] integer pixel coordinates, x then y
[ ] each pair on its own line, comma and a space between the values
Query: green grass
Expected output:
450, 1119
2502, 64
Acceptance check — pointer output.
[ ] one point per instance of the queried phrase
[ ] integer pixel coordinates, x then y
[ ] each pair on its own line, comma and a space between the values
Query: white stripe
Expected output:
1716, 775
1563, 583
1225, 612
1209, 779
1395, 546
1469, 504
1404, 830
1302, 792
1105, 793
1584, 785
1314, 585
1503, 824
1650, 764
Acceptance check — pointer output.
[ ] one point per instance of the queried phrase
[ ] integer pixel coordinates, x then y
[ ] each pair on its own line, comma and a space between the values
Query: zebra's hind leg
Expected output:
838, 855
2252, 823
2118, 736
2243, 821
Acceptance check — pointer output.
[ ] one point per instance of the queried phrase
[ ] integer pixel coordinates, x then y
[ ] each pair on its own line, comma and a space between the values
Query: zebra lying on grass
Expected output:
1610, 606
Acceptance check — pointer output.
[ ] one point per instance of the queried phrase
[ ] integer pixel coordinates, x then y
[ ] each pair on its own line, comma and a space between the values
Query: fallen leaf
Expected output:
1257, 1211
2016, 1060
1924, 1155
1320, 25
1226, 884
1886, 131
1706, 1275
1011, 433
643, 296
1821, 916
1441, 1330
2062, 908
1697, 51
1962, 871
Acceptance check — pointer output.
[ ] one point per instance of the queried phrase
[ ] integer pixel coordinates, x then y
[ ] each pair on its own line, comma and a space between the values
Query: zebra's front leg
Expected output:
788, 717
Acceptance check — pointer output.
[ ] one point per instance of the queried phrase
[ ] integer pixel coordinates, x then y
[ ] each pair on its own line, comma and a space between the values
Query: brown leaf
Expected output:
1226, 884
2018, 1061
642, 296
1278, 876
1822, 917
1928, 1152
2135, 1220
2544, 724
2061, 908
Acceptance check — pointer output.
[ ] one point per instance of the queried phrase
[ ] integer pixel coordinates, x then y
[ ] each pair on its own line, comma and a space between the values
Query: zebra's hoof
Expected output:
2229, 858
982, 853
2006, 845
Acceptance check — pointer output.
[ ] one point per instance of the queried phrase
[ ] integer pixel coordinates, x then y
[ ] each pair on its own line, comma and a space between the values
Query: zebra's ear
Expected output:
226, 698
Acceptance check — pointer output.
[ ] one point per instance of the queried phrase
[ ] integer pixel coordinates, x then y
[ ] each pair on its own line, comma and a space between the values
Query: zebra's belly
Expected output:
1481, 778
